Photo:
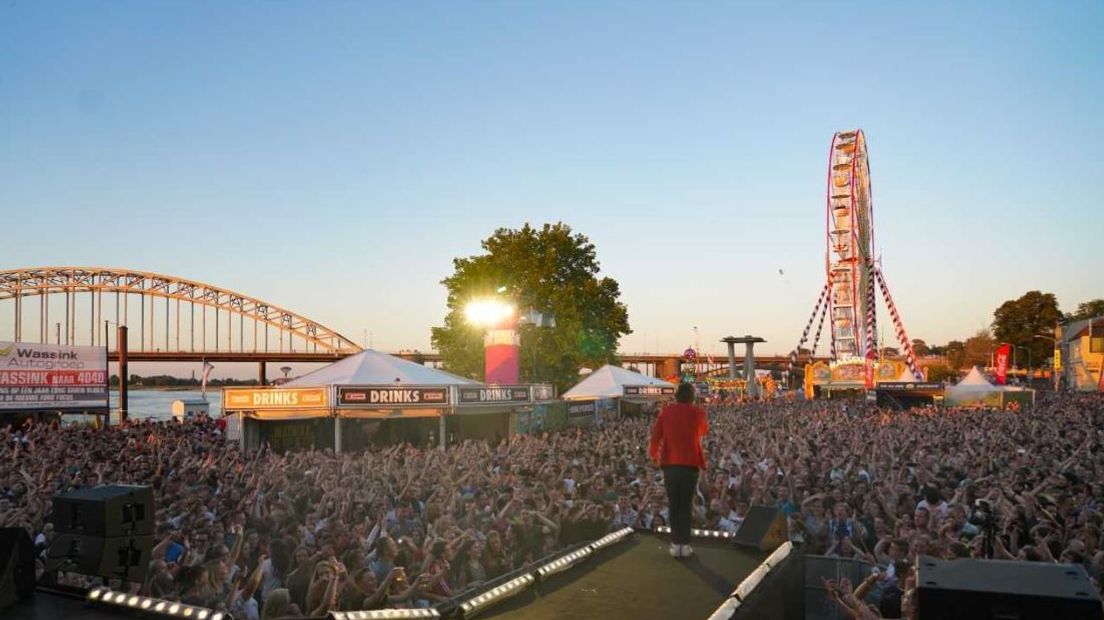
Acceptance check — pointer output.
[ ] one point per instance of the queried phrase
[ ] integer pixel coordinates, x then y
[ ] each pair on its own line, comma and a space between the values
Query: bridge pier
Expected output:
749, 360
121, 349
262, 379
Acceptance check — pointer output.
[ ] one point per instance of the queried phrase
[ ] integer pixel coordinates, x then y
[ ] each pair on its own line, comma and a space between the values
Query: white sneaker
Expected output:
675, 550
685, 551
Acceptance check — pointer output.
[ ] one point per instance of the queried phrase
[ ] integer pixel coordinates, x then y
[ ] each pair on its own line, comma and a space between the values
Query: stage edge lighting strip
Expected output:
145, 604
384, 614
610, 539
496, 595
563, 562
663, 529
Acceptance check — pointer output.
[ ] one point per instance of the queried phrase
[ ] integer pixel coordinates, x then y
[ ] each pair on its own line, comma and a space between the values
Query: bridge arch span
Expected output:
22, 286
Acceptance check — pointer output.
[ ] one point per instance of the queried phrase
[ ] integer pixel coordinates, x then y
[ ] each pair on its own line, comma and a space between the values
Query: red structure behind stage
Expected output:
501, 348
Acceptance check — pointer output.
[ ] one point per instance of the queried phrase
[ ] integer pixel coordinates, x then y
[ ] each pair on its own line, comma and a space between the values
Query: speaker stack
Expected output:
1004, 590
105, 531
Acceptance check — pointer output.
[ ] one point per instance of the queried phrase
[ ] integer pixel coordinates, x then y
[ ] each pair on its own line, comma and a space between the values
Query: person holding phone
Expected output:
676, 447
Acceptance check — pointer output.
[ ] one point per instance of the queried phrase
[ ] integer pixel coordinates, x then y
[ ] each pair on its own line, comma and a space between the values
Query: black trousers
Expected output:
681, 482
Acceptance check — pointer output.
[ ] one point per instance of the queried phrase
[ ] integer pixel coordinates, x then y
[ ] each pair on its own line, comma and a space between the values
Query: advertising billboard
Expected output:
493, 394
389, 397
51, 377
250, 399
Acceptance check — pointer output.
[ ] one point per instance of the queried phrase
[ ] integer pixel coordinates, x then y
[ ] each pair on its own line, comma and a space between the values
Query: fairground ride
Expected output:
852, 274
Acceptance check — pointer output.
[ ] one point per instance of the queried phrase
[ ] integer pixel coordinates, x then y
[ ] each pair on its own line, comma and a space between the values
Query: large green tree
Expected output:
1087, 310
1018, 321
551, 270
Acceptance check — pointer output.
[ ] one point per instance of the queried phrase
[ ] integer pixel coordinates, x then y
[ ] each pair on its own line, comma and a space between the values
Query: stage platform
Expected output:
634, 578
637, 579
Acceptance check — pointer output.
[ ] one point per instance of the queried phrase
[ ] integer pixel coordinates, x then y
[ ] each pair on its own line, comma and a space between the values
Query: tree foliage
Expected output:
941, 372
1087, 310
1018, 321
920, 348
956, 353
552, 270
978, 349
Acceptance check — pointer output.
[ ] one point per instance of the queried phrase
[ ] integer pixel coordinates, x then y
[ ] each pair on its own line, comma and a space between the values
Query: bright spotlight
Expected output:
488, 312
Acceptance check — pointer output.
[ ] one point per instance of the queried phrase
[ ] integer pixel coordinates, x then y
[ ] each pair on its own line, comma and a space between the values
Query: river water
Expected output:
157, 404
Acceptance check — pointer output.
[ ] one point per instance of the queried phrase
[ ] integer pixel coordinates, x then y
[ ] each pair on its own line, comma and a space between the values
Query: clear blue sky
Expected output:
334, 157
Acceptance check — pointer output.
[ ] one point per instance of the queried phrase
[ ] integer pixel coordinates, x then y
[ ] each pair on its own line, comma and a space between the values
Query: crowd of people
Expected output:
269, 535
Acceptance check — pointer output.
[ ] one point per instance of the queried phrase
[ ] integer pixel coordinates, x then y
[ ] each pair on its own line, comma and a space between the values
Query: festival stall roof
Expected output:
374, 368
611, 382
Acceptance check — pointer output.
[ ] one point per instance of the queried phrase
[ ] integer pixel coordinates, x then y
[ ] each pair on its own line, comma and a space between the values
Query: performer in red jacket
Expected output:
676, 447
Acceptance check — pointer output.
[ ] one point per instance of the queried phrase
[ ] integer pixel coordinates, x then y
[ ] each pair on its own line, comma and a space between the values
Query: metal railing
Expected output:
819, 567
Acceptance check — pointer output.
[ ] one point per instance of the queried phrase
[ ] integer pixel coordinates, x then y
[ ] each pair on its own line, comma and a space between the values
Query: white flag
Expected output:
207, 368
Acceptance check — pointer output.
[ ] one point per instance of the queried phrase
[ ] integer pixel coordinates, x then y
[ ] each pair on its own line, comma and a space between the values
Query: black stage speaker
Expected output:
105, 511
763, 527
122, 557
1004, 590
17, 569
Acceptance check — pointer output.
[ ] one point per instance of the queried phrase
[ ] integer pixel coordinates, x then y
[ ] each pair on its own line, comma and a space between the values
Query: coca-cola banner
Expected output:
1000, 361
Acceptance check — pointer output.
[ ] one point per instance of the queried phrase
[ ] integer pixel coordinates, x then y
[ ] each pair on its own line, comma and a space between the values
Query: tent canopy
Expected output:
374, 368
609, 382
974, 381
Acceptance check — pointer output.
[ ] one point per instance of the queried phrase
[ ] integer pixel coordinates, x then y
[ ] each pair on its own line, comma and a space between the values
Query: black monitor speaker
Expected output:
763, 527
105, 511
118, 557
17, 569
1004, 590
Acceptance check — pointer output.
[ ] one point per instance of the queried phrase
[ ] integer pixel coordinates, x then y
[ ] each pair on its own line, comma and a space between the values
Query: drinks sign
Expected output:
44, 376
278, 398
391, 397
581, 409
494, 394
649, 390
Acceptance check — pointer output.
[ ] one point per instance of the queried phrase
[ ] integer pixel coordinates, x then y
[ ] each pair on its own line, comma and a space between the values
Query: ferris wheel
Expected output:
848, 299
850, 251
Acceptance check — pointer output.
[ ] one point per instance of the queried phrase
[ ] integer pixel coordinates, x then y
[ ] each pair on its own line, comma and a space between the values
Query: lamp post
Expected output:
1016, 348
1056, 364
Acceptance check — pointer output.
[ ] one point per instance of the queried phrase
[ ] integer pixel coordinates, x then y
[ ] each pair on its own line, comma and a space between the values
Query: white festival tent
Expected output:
374, 368
974, 381
610, 382
974, 388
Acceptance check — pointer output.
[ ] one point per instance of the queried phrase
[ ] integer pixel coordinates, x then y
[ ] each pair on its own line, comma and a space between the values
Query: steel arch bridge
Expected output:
167, 317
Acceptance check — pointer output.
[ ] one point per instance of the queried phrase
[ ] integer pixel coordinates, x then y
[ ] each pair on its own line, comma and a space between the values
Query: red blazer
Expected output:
677, 435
